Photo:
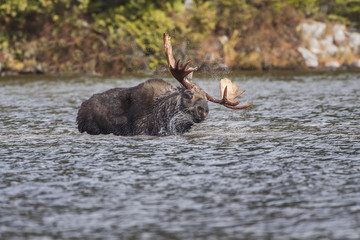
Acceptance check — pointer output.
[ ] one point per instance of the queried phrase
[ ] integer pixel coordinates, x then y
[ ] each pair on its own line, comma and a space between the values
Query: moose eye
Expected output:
188, 95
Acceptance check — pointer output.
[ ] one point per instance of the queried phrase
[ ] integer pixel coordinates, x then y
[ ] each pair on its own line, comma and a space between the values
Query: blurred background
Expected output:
286, 168
116, 37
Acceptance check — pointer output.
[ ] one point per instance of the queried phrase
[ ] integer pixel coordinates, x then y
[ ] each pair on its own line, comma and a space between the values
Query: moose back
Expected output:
153, 107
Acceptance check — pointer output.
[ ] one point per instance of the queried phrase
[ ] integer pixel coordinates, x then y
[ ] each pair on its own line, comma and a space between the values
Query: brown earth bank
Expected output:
76, 48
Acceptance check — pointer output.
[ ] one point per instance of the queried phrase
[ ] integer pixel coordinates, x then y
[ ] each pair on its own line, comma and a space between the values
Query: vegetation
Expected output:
112, 37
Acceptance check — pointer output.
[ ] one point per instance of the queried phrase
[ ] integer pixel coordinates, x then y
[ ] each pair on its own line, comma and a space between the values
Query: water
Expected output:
286, 168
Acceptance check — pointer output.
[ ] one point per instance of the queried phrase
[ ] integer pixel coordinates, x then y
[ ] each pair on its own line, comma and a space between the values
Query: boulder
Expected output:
331, 50
310, 58
327, 46
356, 63
312, 29
339, 34
327, 40
345, 50
332, 64
314, 46
354, 42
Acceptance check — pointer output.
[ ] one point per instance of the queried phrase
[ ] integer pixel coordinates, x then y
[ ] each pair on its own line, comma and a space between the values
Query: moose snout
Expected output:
201, 110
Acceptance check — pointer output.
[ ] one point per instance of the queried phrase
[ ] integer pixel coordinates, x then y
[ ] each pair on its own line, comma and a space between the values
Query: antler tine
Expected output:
224, 101
178, 72
238, 107
237, 95
185, 65
227, 103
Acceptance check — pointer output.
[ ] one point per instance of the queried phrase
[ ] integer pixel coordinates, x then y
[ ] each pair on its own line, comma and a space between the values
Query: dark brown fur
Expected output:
154, 107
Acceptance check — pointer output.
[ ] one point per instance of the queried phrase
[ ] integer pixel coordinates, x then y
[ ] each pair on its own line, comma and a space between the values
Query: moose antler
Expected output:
228, 90
228, 93
178, 72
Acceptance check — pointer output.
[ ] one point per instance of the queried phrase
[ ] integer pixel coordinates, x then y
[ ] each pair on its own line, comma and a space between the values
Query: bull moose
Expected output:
154, 107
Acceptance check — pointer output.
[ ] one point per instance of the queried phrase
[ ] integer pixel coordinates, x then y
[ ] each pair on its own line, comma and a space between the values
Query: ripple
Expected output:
286, 168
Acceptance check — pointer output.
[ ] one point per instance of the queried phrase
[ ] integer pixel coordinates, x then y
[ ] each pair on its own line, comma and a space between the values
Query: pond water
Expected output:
286, 168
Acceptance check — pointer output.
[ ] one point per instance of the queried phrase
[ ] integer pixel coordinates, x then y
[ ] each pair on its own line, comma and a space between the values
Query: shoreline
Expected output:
200, 73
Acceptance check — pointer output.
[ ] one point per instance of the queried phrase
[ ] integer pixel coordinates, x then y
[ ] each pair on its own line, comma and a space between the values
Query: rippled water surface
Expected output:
286, 168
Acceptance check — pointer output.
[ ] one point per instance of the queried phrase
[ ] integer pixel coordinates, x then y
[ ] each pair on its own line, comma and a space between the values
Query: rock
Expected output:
327, 40
39, 68
354, 42
331, 50
337, 27
312, 29
188, 4
224, 39
339, 34
356, 63
85, 24
332, 64
314, 46
345, 50
309, 57
327, 46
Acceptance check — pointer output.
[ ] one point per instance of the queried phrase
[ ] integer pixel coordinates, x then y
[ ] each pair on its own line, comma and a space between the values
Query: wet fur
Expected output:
154, 107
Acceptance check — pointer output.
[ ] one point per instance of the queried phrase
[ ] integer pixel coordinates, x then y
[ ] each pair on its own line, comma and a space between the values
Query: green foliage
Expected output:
309, 7
142, 22
345, 10
133, 29
148, 23
349, 9
240, 12
21, 18
203, 21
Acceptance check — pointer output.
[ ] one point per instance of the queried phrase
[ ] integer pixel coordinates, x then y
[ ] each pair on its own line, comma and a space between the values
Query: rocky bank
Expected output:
328, 45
